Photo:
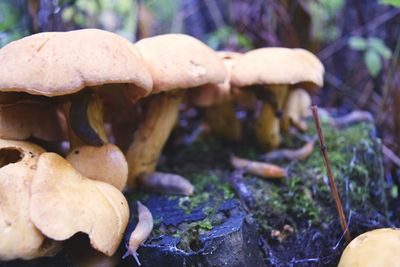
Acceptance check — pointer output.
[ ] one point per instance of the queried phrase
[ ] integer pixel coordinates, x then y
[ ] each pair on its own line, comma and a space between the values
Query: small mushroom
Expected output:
176, 62
64, 202
217, 102
19, 238
270, 72
297, 106
380, 247
112, 169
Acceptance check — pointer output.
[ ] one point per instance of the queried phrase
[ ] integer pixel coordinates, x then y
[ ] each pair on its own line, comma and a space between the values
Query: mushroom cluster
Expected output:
51, 91
271, 73
64, 97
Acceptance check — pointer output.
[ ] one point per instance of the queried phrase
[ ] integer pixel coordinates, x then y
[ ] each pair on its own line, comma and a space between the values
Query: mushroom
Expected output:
296, 107
19, 238
380, 247
217, 102
20, 121
64, 202
176, 62
112, 170
73, 68
270, 72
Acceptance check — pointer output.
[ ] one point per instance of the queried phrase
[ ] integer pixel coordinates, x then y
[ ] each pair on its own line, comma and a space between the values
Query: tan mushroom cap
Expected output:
19, 238
278, 65
64, 202
380, 247
113, 168
216, 93
23, 120
179, 61
60, 63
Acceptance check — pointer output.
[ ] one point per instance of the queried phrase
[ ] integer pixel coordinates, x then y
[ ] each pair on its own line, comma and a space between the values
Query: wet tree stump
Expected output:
291, 222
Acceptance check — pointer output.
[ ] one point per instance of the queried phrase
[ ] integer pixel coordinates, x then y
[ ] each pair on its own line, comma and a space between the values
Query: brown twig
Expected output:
332, 184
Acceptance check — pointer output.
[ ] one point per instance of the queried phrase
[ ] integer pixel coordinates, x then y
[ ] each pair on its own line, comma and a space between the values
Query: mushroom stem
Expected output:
223, 122
85, 121
149, 139
267, 128
267, 123
280, 91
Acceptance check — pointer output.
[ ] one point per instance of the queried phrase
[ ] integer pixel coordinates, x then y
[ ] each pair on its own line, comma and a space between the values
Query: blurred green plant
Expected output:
375, 51
323, 15
117, 16
226, 36
395, 3
11, 26
166, 12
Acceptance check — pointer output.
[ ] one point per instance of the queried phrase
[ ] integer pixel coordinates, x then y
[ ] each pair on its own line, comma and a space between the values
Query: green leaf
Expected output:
379, 46
357, 43
395, 3
373, 62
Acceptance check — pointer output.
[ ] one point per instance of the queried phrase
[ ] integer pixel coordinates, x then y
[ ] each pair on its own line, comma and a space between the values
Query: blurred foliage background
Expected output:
358, 41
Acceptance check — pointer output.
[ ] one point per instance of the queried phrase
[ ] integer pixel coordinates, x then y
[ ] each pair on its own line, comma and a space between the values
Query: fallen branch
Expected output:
332, 184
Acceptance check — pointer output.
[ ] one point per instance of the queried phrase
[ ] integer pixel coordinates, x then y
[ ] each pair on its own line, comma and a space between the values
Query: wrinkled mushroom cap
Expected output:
60, 63
106, 163
278, 65
216, 93
64, 202
380, 247
179, 61
19, 236
23, 120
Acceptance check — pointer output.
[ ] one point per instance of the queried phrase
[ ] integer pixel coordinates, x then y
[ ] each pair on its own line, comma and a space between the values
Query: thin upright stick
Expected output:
332, 184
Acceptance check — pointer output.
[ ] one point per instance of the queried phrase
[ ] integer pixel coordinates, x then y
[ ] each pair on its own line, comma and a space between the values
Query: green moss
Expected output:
205, 224
303, 197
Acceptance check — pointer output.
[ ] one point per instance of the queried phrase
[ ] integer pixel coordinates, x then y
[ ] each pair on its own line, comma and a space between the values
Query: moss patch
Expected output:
302, 200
